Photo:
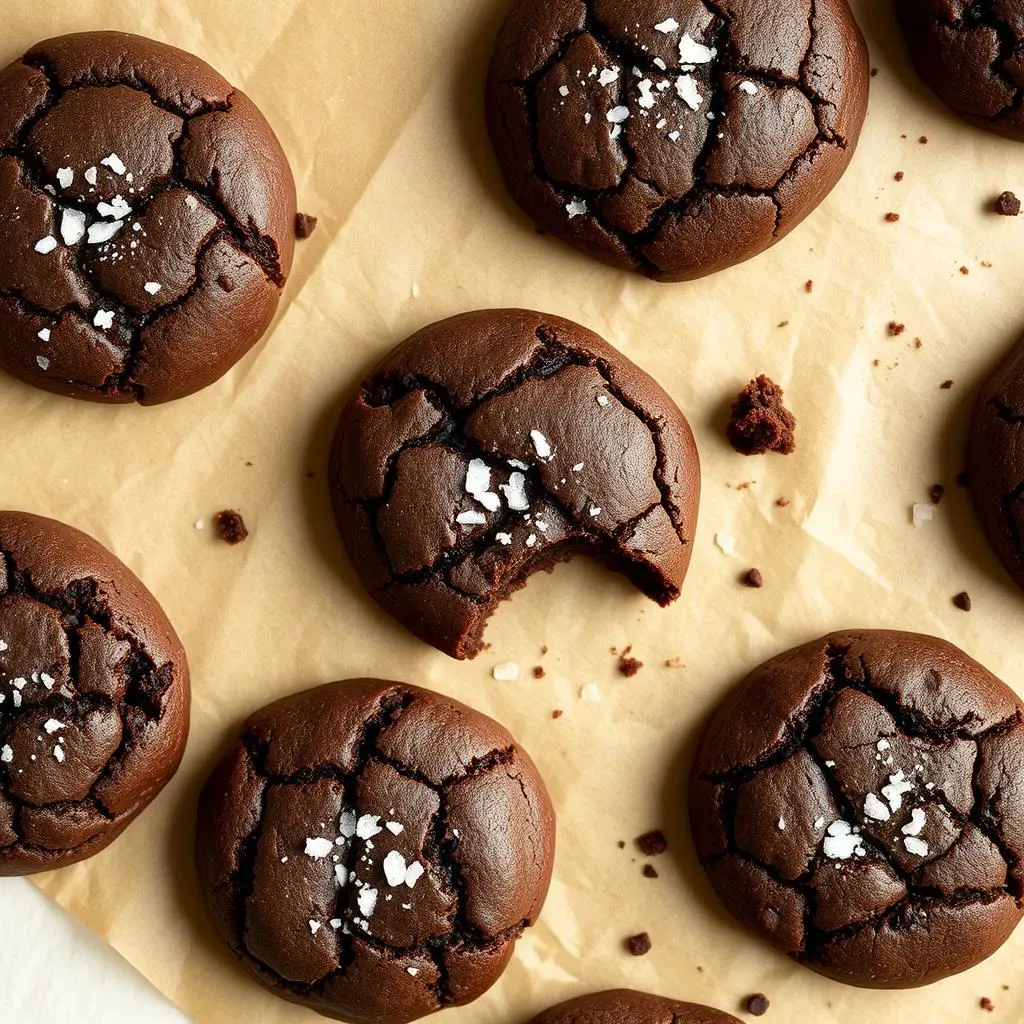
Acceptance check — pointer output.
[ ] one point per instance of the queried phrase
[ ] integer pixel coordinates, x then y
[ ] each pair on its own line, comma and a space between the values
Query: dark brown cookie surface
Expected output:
373, 850
148, 218
860, 802
495, 444
623, 1006
971, 53
94, 696
995, 463
675, 139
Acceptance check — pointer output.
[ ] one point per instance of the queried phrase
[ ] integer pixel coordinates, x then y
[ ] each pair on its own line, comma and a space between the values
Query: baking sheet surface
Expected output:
378, 106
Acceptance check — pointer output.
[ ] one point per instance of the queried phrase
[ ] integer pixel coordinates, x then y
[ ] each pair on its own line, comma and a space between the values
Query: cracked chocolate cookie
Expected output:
94, 696
860, 802
624, 1006
971, 53
995, 463
373, 851
675, 139
496, 444
148, 214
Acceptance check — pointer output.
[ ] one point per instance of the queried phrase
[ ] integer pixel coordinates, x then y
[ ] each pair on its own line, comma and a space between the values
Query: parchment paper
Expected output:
378, 106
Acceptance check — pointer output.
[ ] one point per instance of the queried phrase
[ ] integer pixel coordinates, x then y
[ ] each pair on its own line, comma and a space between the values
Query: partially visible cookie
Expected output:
675, 139
995, 463
971, 53
148, 219
373, 851
859, 801
495, 444
94, 696
623, 1006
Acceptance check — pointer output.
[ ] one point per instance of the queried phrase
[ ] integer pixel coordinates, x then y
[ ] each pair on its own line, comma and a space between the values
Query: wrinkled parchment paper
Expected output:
378, 106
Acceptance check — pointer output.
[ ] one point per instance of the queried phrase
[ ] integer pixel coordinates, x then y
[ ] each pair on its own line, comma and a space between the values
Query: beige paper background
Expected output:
378, 106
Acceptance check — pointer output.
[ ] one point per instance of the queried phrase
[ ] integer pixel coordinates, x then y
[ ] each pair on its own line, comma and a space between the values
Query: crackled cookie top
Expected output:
624, 1006
147, 212
971, 52
374, 850
860, 801
675, 138
494, 444
996, 463
93, 696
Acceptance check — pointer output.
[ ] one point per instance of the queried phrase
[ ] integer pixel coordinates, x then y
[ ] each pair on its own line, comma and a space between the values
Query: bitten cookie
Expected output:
148, 215
860, 802
94, 696
373, 851
498, 443
995, 463
970, 53
680, 138
623, 1006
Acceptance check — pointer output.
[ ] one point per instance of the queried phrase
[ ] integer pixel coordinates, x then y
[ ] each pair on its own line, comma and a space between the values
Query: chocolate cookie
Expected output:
148, 214
498, 443
623, 1006
680, 138
971, 53
860, 802
373, 851
94, 696
995, 463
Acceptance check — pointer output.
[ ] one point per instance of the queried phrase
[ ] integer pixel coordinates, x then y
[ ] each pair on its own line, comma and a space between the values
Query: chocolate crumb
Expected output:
987, 1004
784, 323
923, 140
544, 650
963, 601
874, 72
629, 666
1007, 205
757, 1005
754, 579
226, 283
557, 714
305, 225
899, 175
783, 502
945, 385
675, 662
936, 492
639, 945
891, 218
231, 526
964, 271
809, 287
760, 422
538, 671
918, 343
652, 844
895, 329
622, 844
650, 871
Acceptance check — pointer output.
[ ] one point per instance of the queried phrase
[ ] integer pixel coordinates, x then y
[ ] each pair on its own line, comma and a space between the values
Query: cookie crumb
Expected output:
1007, 205
783, 502
754, 579
895, 329
891, 218
557, 713
760, 422
757, 1005
936, 493
809, 287
945, 385
675, 662
874, 72
963, 601
231, 526
629, 666
923, 140
899, 176
538, 672
544, 650
650, 871
964, 271
652, 844
783, 323
305, 225
987, 1004
622, 844
918, 343
639, 945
